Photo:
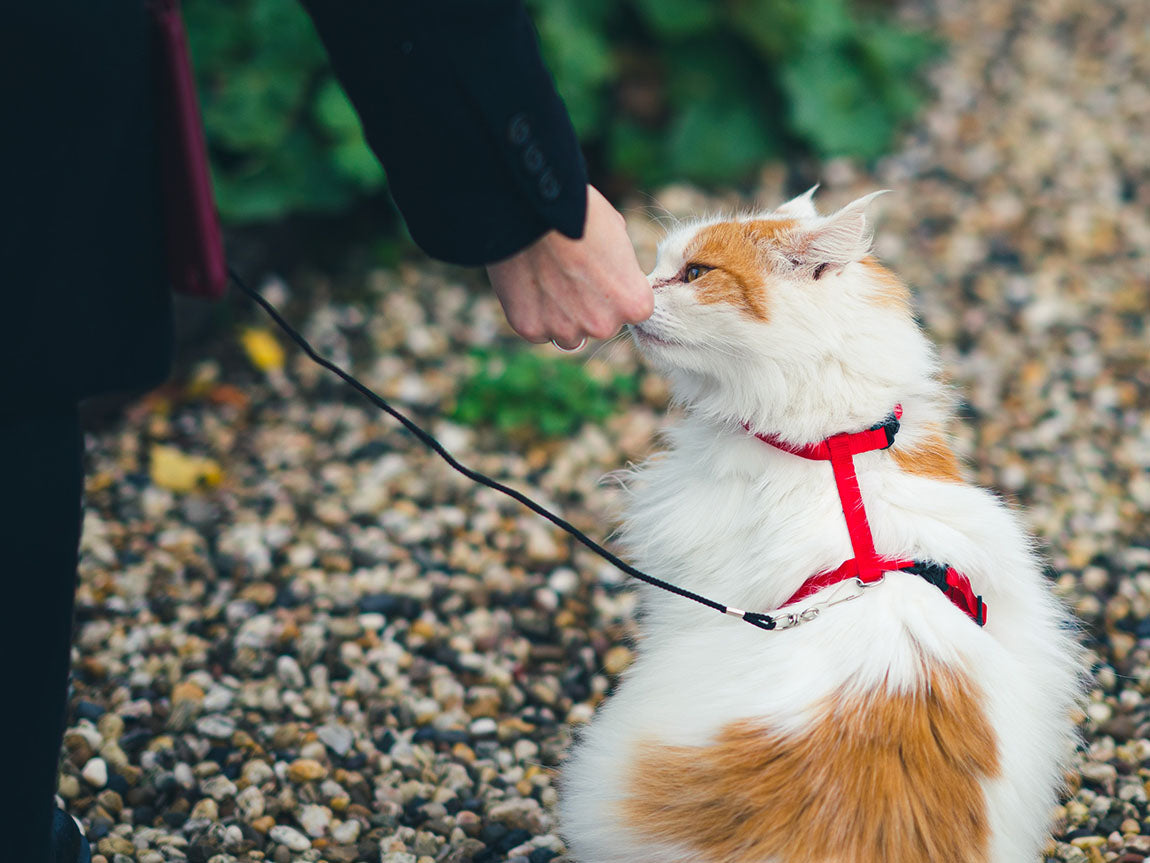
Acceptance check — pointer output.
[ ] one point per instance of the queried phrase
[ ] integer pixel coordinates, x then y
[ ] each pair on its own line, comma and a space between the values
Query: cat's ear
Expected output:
835, 240
802, 207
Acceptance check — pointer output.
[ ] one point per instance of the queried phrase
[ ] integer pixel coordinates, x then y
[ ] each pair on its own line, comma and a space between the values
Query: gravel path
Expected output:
340, 650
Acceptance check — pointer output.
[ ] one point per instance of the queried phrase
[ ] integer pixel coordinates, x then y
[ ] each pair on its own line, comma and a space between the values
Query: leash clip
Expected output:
789, 619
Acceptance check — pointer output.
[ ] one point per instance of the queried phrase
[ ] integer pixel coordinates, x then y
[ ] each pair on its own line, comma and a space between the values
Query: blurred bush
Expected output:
658, 90
282, 135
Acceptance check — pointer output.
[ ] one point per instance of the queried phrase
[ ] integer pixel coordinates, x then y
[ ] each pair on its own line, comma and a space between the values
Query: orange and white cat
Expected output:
888, 729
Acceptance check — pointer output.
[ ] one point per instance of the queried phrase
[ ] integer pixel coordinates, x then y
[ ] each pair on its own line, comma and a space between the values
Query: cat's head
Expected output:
781, 314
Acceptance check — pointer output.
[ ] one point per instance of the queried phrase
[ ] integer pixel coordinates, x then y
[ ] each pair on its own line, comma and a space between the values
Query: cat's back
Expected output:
728, 743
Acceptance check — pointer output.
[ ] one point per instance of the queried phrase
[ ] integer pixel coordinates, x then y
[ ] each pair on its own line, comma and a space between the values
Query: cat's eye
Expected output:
696, 270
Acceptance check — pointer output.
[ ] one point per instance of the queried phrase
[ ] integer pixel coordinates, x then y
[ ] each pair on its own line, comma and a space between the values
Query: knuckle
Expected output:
602, 329
531, 332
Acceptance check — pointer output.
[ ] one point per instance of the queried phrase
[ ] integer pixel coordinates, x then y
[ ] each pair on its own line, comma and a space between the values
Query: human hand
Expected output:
566, 290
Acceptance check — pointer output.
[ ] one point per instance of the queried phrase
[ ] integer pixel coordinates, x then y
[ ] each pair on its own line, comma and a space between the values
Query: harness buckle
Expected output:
890, 426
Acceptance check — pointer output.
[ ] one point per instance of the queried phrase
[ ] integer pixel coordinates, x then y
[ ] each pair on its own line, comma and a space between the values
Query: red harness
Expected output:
867, 566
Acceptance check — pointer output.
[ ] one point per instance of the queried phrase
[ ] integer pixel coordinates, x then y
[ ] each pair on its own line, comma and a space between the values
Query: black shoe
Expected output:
69, 845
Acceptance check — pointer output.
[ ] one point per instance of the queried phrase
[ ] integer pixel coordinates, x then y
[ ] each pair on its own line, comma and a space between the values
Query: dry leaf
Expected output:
262, 349
178, 471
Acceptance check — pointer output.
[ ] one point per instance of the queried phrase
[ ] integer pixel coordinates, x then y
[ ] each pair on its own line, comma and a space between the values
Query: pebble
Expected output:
68, 787
219, 727
250, 802
346, 832
338, 738
289, 837
315, 819
484, 727
95, 772
306, 770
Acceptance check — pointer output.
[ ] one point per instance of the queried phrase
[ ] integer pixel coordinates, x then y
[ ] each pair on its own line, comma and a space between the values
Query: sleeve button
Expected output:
518, 129
533, 159
548, 186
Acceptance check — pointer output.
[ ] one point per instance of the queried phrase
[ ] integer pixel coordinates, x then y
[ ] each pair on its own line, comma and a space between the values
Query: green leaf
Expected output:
717, 141
720, 131
637, 151
678, 19
832, 106
578, 56
774, 27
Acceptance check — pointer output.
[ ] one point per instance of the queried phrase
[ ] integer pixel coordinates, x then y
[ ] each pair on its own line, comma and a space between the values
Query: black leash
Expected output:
763, 621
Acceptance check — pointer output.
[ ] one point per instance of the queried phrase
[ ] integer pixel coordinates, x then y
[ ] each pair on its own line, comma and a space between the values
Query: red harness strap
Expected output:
867, 565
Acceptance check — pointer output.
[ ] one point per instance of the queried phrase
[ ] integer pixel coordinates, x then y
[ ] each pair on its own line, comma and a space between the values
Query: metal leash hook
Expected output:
793, 619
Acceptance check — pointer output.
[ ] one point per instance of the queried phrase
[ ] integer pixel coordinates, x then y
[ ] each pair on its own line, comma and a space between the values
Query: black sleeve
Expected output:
455, 100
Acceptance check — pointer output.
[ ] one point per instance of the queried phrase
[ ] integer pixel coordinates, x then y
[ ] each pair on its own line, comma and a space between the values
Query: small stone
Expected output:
250, 802
110, 801
306, 770
337, 738
95, 772
185, 690
1104, 775
520, 814
206, 808
233, 837
315, 819
1099, 711
110, 846
289, 837
1085, 842
218, 787
68, 786
346, 832
617, 660
484, 727
257, 772
289, 673
469, 822
215, 726
111, 726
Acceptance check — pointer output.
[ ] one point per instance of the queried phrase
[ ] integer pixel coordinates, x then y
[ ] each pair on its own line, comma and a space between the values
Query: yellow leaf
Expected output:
263, 349
178, 471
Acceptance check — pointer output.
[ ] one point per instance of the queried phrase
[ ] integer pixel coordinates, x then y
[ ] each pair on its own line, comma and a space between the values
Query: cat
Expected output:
892, 728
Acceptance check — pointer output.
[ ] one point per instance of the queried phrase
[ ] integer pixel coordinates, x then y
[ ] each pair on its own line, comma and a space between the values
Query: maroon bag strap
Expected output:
195, 247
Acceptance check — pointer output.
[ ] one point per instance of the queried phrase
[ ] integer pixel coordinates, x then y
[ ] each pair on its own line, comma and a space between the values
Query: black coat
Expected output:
480, 157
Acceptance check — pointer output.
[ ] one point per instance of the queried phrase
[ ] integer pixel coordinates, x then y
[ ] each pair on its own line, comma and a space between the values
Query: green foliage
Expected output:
730, 85
282, 135
658, 90
526, 395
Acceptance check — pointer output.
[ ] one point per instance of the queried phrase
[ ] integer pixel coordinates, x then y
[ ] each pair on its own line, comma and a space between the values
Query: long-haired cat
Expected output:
927, 720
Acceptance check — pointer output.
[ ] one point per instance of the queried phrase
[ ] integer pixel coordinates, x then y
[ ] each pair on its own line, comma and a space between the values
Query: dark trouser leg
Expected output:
40, 486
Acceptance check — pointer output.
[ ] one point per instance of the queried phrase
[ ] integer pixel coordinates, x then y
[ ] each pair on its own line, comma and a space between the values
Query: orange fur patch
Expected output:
933, 458
735, 252
892, 292
879, 778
